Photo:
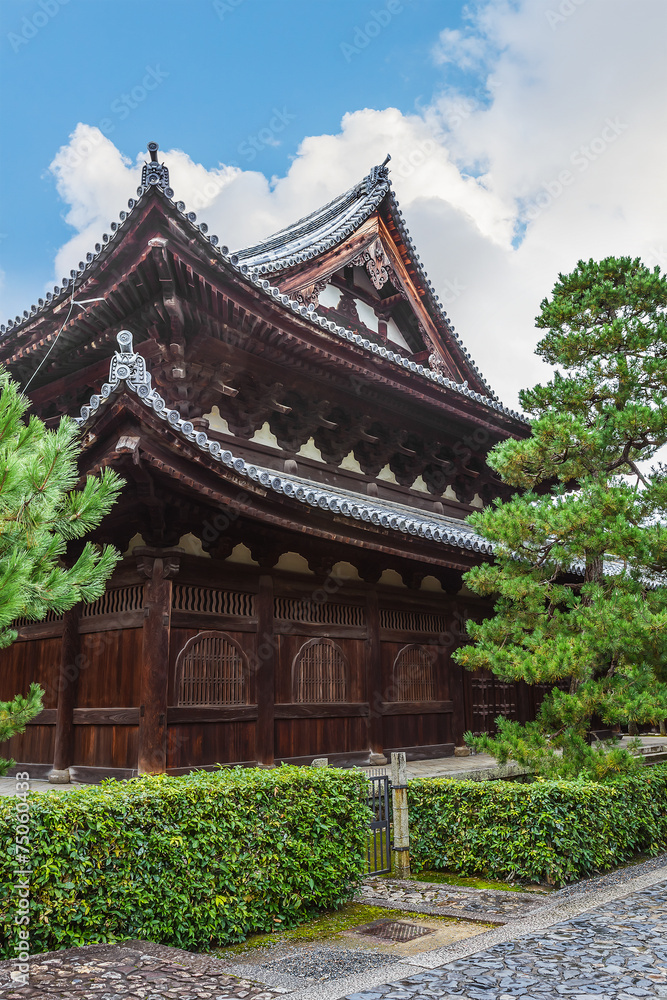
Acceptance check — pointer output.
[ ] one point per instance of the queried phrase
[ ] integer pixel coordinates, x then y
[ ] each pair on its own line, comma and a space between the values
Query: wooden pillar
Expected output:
158, 567
459, 678
265, 680
401, 822
68, 678
374, 691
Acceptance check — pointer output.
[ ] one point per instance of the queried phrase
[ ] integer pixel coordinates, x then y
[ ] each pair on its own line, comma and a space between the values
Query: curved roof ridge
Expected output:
377, 177
332, 223
322, 228
434, 298
130, 368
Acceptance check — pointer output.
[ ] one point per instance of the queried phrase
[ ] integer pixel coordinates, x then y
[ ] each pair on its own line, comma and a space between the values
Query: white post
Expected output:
401, 824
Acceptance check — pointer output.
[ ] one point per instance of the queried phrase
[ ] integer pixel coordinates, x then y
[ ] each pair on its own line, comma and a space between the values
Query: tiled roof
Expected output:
330, 225
376, 185
321, 230
129, 368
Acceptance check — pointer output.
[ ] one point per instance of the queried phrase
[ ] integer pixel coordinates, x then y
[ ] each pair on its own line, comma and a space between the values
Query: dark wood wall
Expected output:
270, 623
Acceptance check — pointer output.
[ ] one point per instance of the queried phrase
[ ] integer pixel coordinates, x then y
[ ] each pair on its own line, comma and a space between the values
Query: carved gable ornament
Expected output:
377, 264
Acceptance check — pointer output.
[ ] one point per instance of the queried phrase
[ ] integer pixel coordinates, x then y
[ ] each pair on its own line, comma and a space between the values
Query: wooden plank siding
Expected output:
369, 626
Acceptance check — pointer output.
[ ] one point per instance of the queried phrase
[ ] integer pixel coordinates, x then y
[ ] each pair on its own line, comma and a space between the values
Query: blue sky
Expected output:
220, 71
524, 134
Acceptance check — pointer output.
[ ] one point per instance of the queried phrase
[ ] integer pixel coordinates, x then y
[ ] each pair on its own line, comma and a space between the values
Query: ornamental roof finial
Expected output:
154, 172
378, 174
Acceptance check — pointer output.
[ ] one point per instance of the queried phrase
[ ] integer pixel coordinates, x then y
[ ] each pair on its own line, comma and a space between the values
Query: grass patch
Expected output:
450, 878
326, 926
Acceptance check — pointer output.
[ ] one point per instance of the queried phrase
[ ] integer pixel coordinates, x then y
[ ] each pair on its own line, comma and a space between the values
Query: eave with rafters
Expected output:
302, 435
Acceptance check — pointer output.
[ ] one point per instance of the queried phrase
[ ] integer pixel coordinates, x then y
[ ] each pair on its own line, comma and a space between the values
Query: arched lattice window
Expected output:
319, 673
414, 674
211, 670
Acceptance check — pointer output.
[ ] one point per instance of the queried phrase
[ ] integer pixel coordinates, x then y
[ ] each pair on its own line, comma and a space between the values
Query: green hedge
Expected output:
554, 831
192, 861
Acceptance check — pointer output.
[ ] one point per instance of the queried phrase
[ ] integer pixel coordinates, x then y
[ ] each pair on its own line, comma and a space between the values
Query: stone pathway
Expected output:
490, 905
586, 941
616, 952
129, 972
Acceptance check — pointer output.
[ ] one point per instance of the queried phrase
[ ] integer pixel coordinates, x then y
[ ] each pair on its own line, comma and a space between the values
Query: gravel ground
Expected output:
618, 877
617, 951
327, 963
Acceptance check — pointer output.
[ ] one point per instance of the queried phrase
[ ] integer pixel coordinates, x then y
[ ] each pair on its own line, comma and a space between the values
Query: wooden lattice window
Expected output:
412, 621
205, 600
211, 670
414, 674
319, 612
319, 673
491, 698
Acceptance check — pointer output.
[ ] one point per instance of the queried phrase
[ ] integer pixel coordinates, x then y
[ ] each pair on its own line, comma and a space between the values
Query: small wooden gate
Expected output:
379, 834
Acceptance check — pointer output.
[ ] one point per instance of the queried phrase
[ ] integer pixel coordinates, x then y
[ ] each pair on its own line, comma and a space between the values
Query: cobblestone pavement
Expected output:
129, 973
616, 952
490, 905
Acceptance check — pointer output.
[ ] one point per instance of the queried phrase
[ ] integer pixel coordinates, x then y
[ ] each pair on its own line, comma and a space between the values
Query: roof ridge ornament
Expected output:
130, 368
155, 173
376, 174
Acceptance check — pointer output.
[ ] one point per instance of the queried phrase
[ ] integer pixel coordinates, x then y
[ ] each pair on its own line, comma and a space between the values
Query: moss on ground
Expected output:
326, 926
450, 878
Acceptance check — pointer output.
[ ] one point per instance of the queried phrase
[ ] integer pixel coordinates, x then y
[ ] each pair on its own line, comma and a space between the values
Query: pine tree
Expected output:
579, 551
42, 509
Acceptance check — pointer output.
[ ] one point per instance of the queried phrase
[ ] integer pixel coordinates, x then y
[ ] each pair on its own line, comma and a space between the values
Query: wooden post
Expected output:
68, 677
158, 567
265, 680
400, 825
374, 679
456, 682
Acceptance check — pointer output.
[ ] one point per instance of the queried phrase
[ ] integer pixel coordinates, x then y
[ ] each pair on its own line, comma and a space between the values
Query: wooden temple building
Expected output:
302, 434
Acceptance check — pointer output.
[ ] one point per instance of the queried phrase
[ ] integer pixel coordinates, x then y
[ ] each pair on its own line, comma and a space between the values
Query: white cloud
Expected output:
466, 51
562, 158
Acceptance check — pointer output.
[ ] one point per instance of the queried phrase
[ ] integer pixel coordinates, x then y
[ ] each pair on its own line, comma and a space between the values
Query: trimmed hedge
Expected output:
554, 831
192, 861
